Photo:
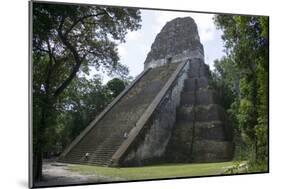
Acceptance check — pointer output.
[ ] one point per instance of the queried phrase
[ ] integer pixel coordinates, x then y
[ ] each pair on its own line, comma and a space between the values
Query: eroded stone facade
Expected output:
169, 114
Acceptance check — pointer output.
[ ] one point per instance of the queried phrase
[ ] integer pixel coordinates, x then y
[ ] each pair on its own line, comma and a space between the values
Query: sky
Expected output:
138, 43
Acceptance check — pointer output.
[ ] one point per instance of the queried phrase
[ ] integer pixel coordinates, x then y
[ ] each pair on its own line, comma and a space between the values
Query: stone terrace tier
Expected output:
201, 132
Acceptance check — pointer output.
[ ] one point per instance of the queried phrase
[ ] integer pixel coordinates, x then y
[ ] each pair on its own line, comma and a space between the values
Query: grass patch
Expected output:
156, 171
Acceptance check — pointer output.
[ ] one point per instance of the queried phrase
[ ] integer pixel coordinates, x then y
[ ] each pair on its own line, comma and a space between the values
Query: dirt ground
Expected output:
55, 174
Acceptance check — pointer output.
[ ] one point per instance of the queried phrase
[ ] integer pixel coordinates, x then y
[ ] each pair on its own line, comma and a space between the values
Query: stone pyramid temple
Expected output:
169, 114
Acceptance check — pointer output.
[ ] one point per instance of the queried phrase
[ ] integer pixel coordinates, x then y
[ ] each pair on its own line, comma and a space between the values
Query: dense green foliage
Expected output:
242, 78
68, 42
116, 86
84, 100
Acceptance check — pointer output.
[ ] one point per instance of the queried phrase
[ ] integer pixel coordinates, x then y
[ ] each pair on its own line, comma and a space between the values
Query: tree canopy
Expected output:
68, 42
244, 74
74, 36
116, 86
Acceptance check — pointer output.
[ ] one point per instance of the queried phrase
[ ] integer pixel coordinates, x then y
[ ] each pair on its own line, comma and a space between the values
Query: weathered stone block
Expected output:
186, 113
202, 82
200, 97
198, 69
212, 112
178, 40
150, 144
212, 151
211, 130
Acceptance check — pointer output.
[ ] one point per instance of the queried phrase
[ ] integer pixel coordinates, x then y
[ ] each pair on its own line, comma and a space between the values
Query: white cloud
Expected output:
134, 35
206, 27
122, 50
165, 16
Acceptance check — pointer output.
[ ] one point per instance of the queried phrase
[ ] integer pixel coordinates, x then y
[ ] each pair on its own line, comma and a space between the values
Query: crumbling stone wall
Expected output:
189, 125
177, 41
150, 145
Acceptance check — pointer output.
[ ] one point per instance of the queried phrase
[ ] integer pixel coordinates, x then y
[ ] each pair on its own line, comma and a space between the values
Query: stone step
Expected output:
212, 151
203, 97
202, 151
213, 130
197, 68
202, 83
211, 112
100, 156
103, 140
104, 152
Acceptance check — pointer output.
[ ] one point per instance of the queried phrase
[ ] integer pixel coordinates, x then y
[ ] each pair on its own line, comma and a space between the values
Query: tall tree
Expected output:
69, 39
116, 86
246, 44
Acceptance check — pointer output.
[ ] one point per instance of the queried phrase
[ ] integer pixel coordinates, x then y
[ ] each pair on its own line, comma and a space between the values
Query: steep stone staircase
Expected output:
102, 141
201, 132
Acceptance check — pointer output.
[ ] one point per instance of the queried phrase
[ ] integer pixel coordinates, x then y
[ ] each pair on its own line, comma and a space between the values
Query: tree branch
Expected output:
61, 23
49, 67
78, 60
66, 82
81, 19
75, 68
42, 50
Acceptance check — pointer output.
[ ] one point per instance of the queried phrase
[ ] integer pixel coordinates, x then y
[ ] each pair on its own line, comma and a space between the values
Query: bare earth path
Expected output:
58, 174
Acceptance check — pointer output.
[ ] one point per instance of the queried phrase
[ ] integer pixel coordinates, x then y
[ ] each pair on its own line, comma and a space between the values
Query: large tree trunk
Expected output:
40, 140
37, 168
47, 102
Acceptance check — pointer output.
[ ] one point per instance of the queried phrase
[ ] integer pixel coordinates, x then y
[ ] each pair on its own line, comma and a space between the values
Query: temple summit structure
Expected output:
170, 113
